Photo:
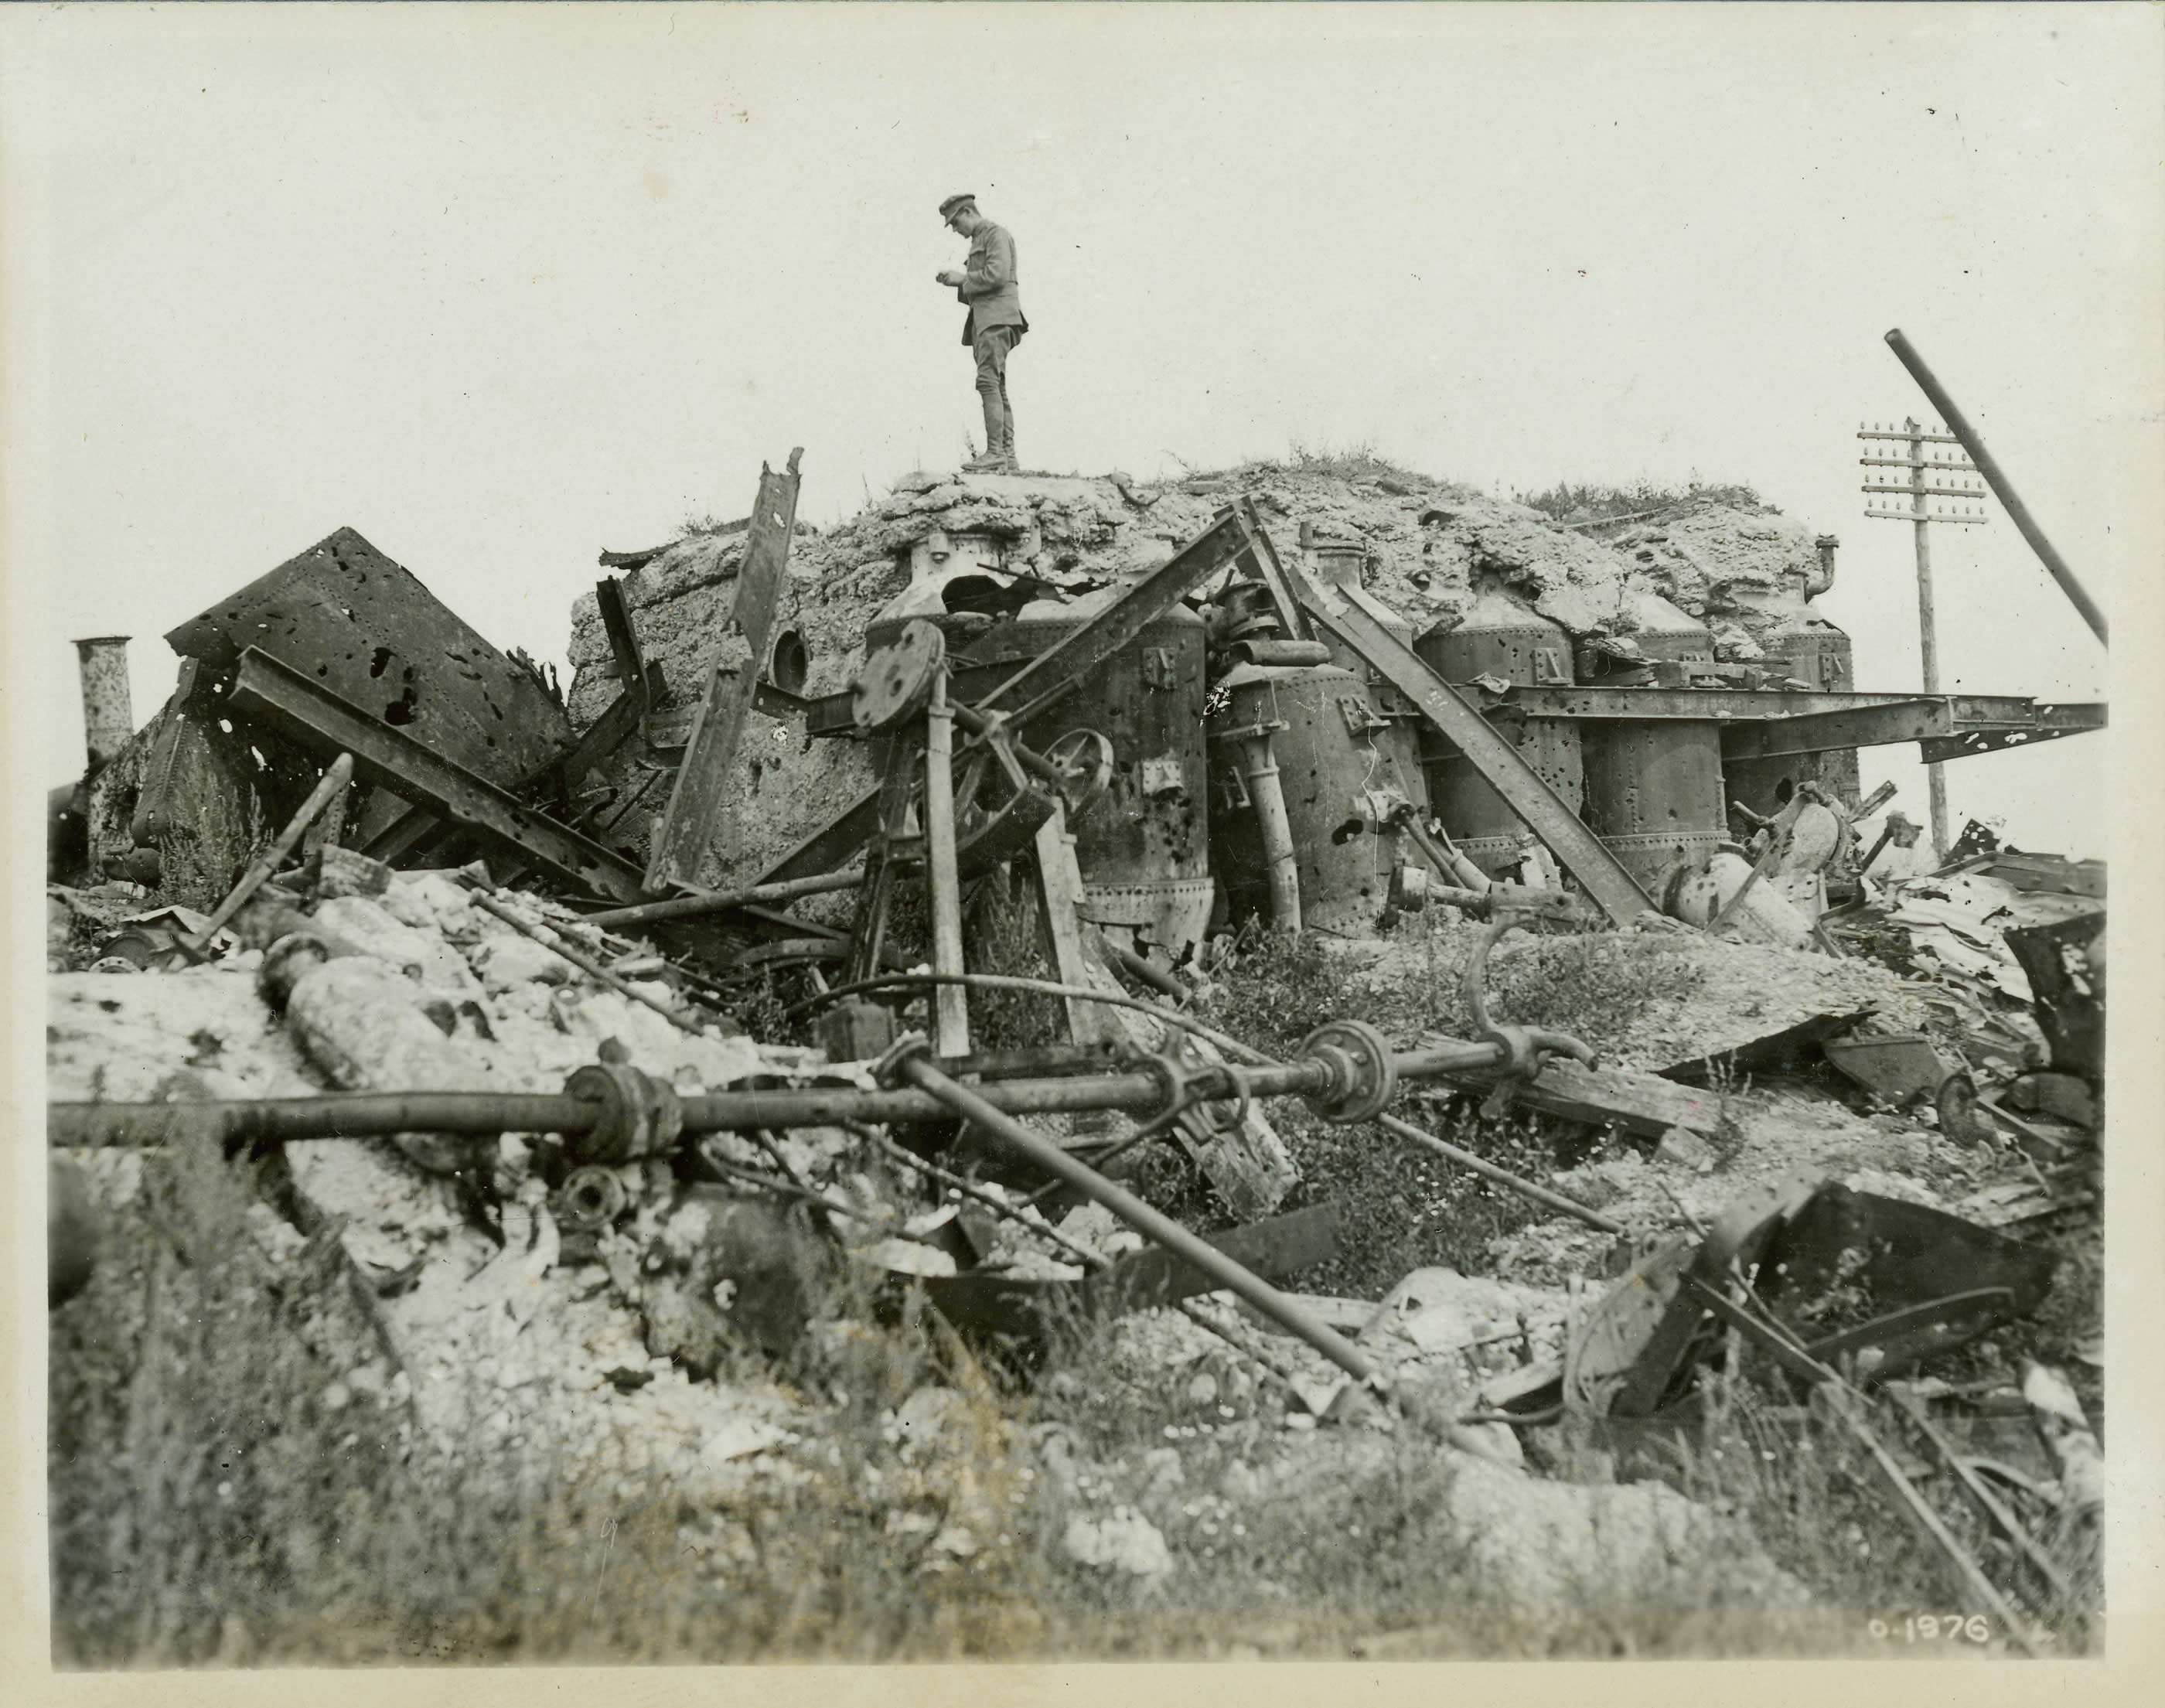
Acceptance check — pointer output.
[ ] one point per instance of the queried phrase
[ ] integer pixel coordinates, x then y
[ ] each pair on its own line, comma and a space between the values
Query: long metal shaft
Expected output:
691, 907
1151, 1223
371, 1114
2017, 512
552, 940
951, 1010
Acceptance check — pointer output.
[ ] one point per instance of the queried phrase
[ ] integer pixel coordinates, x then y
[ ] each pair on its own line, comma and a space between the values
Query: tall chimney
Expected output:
108, 716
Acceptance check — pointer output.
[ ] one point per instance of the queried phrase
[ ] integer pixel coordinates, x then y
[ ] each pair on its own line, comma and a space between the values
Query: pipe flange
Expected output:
591, 1198
1175, 1082
886, 1072
1363, 1078
640, 1116
1521, 1057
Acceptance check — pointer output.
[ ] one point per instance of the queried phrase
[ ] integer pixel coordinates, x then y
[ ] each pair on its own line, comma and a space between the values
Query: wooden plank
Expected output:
1060, 884
696, 802
609, 732
1643, 1103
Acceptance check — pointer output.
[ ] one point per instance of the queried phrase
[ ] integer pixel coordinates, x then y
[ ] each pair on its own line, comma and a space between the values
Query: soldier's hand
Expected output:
948, 277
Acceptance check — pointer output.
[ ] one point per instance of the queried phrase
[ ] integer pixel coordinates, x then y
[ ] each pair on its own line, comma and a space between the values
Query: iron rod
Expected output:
550, 939
1151, 1223
1503, 1177
2017, 511
691, 907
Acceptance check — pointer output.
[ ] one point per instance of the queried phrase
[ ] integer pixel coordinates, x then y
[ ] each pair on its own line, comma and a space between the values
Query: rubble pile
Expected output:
595, 1222
1427, 546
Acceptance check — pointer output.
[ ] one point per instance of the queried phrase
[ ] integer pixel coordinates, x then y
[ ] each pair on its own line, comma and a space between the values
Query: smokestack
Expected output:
108, 716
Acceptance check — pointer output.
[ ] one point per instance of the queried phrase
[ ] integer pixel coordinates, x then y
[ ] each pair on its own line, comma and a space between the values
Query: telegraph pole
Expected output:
1947, 466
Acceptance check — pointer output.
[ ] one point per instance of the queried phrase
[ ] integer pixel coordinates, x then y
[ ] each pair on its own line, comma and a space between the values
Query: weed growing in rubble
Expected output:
1813, 1499
1567, 503
1401, 1208
220, 1494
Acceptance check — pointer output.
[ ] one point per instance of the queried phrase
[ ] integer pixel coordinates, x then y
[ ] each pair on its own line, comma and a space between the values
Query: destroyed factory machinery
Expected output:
1222, 735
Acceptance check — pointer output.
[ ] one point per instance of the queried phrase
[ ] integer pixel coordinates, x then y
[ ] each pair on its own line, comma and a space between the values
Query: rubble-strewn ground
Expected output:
377, 1401
329, 1407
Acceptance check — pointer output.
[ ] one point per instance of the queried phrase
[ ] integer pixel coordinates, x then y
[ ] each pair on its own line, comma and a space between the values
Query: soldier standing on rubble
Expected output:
995, 324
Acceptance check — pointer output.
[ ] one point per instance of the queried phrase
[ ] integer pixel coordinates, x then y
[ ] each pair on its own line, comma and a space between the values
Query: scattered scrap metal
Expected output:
1269, 726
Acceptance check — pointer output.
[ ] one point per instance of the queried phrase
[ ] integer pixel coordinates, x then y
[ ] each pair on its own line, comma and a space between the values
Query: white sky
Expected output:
499, 286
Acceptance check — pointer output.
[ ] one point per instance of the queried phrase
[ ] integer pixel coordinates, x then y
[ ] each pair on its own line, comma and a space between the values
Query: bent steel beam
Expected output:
1969, 724
315, 720
1702, 705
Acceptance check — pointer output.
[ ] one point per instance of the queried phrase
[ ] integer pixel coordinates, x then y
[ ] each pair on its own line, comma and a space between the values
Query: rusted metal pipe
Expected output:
691, 907
108, 716
2017, 512
376, 1114
1151, 1223
1140, 967
1260, 773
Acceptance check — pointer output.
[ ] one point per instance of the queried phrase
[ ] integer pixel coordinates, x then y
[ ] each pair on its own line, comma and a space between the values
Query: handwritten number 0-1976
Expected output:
1931, 1627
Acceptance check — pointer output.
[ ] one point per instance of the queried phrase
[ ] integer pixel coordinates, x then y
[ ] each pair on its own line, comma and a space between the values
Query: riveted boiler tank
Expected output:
1311, 736
1654, 787
1814, 652
1143, 846
1500, 637
1341, 561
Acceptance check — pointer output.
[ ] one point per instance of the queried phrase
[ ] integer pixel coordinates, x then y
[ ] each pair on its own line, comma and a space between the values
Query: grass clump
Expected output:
224, 1490
1643, 499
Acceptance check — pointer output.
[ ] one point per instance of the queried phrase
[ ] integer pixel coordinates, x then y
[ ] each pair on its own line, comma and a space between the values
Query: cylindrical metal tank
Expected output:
1143, 846
1653, 789
1498, 637
1342, 563
1333, 753
1810, 650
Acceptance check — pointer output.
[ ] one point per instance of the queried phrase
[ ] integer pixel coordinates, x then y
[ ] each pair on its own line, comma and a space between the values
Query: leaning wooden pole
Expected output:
2003, 489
